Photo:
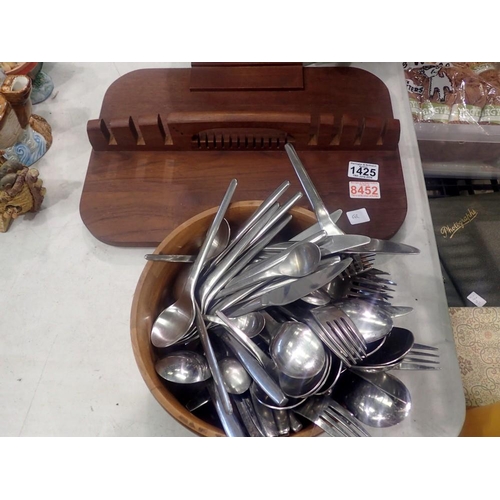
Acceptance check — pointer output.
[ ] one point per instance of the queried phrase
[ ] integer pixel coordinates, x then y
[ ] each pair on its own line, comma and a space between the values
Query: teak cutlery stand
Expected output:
168, 142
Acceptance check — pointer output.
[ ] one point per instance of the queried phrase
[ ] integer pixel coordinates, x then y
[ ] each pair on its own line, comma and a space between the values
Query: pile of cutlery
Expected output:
280, 323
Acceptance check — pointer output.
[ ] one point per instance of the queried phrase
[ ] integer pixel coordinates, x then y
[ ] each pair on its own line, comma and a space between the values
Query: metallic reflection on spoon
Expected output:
376, 399
183, 367
236, 378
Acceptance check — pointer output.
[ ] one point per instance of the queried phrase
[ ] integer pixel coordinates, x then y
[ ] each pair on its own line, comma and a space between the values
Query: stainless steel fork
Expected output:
363, 286
348, 343
331, 417
420, 357
336, 344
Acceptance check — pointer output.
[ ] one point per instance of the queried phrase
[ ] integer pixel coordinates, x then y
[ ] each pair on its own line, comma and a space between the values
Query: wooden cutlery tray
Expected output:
168, 142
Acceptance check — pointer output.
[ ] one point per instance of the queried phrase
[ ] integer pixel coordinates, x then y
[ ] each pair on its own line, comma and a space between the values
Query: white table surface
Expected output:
66, 361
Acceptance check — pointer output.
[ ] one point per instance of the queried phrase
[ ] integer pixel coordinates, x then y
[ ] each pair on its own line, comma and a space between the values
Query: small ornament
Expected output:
24, 137
21, 191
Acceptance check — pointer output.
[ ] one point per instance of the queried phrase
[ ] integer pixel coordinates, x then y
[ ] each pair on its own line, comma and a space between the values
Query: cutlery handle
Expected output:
230, 423
312, 194
263, 207
247, 342
212, 361
169, 258
212, 279
282, 422
207, 243
247, 414
265, 416
295, 423
254, 235
334, 216
245, 259
255, 370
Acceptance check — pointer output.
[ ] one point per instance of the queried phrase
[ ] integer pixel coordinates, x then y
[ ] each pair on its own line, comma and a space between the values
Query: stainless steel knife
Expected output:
290, 292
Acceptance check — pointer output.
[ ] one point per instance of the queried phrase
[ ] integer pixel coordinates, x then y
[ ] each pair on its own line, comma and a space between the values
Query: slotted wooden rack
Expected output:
168, 142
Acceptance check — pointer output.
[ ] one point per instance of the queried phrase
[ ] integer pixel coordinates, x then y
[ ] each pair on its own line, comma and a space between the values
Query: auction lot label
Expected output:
360, 189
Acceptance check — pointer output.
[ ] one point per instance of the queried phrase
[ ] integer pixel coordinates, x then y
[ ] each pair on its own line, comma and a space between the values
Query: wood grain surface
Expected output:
162, 153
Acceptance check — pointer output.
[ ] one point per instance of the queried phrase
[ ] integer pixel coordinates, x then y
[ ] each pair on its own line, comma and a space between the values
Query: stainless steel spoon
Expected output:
250, 324
175, 321
372, 322
236, 378
396, 346
183, 367
297, 351
302, 259
377, 399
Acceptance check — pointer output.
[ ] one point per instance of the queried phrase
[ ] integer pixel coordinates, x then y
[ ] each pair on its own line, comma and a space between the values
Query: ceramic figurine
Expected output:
21, 191
42, 84
24, 137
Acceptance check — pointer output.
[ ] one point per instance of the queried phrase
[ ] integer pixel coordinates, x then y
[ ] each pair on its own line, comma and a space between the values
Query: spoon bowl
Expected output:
302, 388
372, 321
396, 346
302, 259
317, 298
297, 351
174, 322
183, 367
250, 324
236, 378
299, 261
378, 399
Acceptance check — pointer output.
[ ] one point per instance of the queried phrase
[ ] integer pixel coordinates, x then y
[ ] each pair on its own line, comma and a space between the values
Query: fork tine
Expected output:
373, 278
331, 430
346, 344
354, 331
423, 353
372, 283
330, 416
348, 419
425, 347
339, 345
359, 350
331, 343
336, 424
420, 360
370, 292
345, 337
415, 366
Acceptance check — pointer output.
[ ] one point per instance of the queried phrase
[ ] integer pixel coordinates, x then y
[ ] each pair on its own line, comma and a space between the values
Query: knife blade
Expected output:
384, 246
290, 292
335, 216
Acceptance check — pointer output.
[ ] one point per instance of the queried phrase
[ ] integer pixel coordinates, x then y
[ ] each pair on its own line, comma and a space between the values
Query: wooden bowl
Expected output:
154, 292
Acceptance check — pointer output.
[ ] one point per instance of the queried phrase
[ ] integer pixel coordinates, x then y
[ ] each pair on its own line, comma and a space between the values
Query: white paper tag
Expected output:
358, 216
363, 189
359, 170
476, 299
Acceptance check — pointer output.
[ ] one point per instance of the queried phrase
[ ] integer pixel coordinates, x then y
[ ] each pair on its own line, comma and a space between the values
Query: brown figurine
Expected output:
21, 191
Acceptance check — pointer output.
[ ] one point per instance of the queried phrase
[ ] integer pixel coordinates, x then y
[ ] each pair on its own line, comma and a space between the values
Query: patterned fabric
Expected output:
477, 339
